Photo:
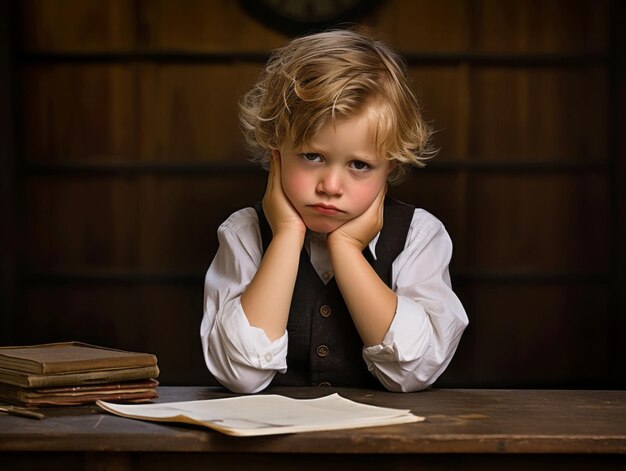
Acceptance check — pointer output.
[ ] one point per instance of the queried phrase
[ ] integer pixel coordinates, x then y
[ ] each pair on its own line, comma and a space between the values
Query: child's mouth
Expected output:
326, 209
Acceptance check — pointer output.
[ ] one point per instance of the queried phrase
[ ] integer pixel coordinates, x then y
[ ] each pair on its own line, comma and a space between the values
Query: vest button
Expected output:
324, 384
325, 311
322, 351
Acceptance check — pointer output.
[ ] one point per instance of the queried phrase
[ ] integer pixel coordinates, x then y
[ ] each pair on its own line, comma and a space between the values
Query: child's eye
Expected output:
360, 165
311, 157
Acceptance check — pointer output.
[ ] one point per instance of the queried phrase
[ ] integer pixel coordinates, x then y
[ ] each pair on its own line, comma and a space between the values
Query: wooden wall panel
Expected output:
76, 25
425, 26
95, 113
129, 157
179, 225
534, 334
78, 112
540, 26
617, 124
73, 224
424, 188
536, 26
9, 233
539, 115
443, 93
190, 112
163, 319
539, 224
148, 224
201, 25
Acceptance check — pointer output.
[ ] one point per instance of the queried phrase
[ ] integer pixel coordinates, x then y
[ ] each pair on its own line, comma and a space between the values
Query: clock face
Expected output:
299, 16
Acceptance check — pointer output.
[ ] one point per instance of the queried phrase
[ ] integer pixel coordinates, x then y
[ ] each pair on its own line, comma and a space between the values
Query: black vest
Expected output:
324, 345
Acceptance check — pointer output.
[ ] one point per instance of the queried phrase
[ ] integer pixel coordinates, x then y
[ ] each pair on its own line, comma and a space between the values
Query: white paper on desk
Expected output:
244, 416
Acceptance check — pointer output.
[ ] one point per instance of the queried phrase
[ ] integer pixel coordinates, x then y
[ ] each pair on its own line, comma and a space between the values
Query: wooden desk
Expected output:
464, 429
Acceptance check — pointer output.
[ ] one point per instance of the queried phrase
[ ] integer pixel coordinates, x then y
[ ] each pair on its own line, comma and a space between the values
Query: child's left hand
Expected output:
360, 231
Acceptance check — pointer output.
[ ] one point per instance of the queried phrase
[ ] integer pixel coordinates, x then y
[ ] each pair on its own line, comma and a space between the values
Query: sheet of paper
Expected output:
267, 414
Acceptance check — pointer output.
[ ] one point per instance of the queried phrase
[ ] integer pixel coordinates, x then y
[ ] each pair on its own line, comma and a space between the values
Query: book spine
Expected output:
79, 379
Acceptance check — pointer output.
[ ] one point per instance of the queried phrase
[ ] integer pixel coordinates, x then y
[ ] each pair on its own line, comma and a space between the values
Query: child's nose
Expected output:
330, 183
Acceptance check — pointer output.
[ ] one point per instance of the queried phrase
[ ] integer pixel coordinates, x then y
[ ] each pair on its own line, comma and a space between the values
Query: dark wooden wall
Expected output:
121, 155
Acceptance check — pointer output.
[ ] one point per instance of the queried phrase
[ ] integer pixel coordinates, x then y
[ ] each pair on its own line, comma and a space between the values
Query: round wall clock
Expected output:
300, 16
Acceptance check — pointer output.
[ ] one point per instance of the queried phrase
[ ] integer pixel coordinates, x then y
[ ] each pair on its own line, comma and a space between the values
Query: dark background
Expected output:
120, 154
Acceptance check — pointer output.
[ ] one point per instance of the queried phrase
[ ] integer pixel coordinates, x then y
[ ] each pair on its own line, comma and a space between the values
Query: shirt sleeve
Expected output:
240, 356
429, 318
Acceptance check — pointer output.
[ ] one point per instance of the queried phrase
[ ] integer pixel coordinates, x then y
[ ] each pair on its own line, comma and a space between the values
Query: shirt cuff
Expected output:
250, 345
407, 339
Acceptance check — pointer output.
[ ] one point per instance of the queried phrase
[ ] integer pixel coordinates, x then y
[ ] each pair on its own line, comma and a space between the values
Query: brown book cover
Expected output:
131, 391
70, 357
31, 380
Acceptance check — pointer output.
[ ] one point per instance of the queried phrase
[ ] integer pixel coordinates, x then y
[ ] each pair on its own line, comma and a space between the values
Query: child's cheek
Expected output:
295, 185
364, 195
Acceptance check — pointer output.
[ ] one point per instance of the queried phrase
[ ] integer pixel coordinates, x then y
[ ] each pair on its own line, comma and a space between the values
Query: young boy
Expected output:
328, 282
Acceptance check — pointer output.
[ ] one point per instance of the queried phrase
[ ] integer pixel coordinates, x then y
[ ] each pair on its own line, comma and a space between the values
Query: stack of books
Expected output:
72, 373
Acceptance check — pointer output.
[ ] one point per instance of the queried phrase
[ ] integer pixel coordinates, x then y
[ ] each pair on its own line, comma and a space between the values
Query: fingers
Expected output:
274, 178
382, 193
275, 160
274, 172
280, 214
378, 204
381, 200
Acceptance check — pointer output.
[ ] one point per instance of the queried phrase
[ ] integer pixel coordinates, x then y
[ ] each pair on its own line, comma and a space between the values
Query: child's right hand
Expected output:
279, 211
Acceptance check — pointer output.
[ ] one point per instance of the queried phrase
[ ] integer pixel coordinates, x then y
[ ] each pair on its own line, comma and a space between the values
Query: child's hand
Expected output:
360, 231
279, 211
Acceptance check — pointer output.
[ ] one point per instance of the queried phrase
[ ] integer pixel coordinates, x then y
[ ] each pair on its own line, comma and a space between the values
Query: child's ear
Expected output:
276, 154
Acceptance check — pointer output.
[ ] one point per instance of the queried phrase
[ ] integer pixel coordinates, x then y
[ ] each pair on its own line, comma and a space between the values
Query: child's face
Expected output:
337, 176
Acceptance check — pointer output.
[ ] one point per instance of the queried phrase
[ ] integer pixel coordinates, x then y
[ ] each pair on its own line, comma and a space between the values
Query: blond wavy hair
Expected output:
323, 77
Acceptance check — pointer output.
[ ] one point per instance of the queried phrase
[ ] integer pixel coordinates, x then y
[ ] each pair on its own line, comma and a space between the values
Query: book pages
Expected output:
267, 414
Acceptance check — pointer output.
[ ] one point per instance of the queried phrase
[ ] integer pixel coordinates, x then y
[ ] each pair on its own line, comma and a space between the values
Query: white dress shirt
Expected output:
421, 340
